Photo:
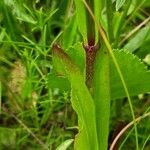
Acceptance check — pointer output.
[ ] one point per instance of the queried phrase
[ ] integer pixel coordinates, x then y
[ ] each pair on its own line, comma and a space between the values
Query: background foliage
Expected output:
36, 111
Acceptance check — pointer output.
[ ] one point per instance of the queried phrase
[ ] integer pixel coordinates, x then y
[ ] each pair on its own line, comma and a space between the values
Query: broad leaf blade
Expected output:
136, 76
58, 81
81, 101
77, 54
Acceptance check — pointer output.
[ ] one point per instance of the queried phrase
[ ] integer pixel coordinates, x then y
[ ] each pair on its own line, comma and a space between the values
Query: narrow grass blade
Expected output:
65, 145
119, 4
138, 39
81, 17
98, 5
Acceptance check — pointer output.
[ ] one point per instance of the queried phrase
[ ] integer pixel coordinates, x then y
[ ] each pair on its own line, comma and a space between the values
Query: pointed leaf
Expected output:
69, 32
65, 145
81, 18
98, 8
81, 101
138, 39
119, 4
19, 12
77, 54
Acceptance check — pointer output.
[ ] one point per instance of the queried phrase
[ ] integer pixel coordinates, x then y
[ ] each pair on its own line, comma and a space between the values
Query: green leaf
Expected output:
19, 12
132, 6
77, 54
65, 145
147, 3
7, 138
135, 42
81, 18
98, 7
56, 81
119, 4
147, 59
136, 76
81, 101
69, 32
2, 34
101, 94
116, 21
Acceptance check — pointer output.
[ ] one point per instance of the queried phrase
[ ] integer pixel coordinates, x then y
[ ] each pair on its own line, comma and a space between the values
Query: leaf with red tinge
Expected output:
82, 102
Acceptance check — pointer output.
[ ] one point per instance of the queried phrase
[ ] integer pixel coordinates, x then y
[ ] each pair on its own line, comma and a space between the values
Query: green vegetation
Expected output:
74, 74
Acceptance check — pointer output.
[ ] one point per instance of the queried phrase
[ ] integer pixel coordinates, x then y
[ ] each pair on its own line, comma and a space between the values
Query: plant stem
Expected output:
82, 102
91, 48
90, 24
90, 59
127, 127
109, 48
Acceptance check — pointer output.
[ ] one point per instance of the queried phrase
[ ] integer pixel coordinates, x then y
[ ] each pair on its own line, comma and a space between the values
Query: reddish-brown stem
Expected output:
90, 59
90, 25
